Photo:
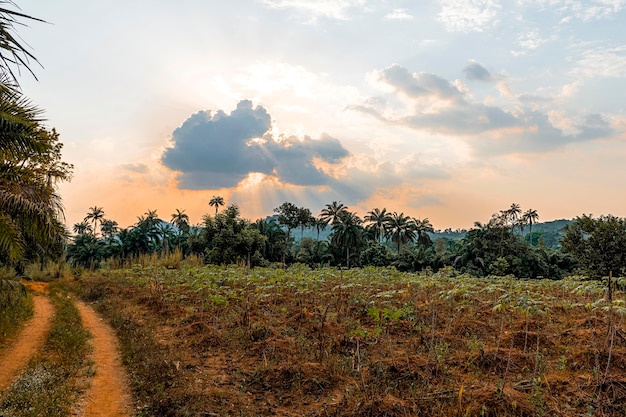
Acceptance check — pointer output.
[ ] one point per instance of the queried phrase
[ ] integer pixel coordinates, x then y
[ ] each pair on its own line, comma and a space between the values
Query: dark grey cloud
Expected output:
218, 150
487, 129
475, 71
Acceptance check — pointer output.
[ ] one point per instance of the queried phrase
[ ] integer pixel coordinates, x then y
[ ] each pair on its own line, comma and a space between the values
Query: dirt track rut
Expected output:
27, 343
108, 395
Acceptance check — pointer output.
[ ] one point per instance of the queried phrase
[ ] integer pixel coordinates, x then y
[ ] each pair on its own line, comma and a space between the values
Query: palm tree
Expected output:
180, 219
30, 208
216, 201
12, 52
332, 211
305, 219
109, 228
82, 228
29, 203
530, 216
378, 221
422, 227
513, 214
400, 229
319, 224
347, 232
96, 215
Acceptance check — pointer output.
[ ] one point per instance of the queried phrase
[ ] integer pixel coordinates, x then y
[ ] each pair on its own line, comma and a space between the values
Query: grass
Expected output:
252, 342
15, 308
54, 379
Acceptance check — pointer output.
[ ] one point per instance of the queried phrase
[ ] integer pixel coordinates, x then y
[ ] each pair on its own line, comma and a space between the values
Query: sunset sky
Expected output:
449, 109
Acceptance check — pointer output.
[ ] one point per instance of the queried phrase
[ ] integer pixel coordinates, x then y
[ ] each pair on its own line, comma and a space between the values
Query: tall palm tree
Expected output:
530, 216
319, 224
513, 214
30, 206
82, 228
96, 215
378, 221
216, 202
400, 229
109, 228
180, 219
347, 232
332, 211
421, 228
29, 202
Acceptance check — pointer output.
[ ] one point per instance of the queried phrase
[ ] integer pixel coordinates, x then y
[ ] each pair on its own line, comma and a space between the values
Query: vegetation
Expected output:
30, 162
361, 342
15, 308
381, 238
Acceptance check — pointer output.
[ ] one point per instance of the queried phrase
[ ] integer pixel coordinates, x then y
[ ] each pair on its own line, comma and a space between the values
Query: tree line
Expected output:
380, 238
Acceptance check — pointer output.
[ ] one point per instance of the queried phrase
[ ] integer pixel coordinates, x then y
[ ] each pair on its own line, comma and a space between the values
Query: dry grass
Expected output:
373, 342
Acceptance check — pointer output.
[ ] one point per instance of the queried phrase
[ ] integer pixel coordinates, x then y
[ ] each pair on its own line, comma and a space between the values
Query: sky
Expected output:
446, 109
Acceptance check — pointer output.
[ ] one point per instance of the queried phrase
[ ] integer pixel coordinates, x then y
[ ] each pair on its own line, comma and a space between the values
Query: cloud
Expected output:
332, 9
468, 15
435, 105
475, 71
529, 41
138, 168
398, 14
606, 62
212, 151
419, 84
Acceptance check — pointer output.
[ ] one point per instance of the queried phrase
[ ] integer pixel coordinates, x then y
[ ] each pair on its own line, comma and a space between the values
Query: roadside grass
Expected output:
233, 341
55, 378
16, 306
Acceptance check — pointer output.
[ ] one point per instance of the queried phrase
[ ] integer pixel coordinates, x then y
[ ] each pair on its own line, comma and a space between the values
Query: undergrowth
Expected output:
54, 379
233, 341
15, 308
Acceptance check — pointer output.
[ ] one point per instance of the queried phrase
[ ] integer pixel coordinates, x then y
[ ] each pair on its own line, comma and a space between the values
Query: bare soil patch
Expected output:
108, 395
27, 343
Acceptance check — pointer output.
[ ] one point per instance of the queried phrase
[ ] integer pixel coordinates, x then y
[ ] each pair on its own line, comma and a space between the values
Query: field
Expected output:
216, 341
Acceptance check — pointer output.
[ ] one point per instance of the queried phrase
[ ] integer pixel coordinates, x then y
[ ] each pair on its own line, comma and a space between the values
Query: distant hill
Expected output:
551, 232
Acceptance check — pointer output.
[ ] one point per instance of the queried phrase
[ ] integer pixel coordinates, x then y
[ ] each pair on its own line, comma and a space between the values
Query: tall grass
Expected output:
15, 308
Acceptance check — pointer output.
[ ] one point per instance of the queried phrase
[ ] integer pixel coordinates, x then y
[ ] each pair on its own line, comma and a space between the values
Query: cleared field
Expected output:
363, 342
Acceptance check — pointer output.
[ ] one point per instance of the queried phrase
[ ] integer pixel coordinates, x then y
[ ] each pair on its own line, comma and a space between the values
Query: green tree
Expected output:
180, 219
347, 233
332, 211
82, 228
305, 219
377, 220
288, 216
422, 227
109, 228
30, 169
96, 215
530, 217
599, 244
216, 201
400, 229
